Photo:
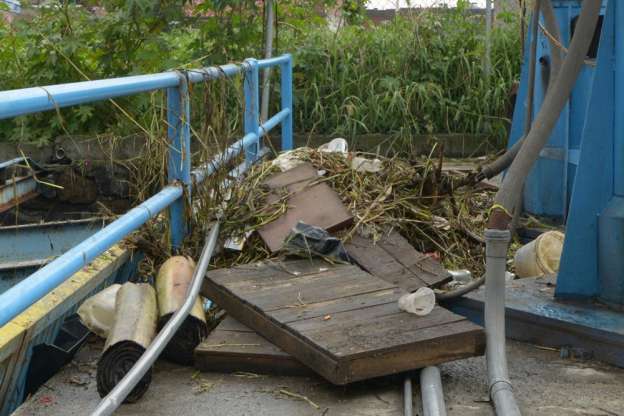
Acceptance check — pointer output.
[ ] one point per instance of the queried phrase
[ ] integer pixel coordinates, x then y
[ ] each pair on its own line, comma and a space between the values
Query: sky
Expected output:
392, 4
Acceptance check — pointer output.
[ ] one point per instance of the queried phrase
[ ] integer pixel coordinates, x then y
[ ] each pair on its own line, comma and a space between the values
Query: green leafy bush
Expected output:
414, 75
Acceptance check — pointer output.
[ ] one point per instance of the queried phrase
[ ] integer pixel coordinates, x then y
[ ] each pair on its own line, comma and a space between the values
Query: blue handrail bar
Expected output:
181, 178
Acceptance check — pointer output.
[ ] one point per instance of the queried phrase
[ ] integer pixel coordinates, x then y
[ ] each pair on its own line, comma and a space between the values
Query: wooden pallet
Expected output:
394, 260
339, 320
232, 347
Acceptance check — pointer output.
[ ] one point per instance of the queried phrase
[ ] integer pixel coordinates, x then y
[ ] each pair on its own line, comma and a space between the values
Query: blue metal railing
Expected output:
181, 177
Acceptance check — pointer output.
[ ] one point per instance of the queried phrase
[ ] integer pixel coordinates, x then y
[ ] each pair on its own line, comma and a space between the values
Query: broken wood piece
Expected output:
317, 205
232, 347
367, 335
394, 260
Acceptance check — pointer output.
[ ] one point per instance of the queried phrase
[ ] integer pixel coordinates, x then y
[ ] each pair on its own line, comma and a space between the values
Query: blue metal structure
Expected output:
580, 174
592, 264
549, 185
181, 177
579, 178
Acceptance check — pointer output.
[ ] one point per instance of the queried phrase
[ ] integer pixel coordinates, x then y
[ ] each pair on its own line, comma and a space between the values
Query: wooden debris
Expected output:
234, 348
367, 335
394, 260
314, 204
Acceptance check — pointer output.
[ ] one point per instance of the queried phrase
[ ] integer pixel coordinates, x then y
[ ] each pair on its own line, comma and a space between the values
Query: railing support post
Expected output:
179, 160
252, 108
287, 102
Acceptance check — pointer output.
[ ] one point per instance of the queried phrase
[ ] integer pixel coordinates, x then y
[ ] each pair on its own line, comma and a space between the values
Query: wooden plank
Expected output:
394, 260
345, 323
314, 204
232, 347
293, 179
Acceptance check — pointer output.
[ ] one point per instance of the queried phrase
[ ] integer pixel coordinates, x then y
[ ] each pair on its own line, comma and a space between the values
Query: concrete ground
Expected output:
545, 385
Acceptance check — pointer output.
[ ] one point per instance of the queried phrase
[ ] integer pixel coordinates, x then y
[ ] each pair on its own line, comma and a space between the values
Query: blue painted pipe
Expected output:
19, 297
19, 102
201, 173
274, 121
31, 100
278, 60
207, 169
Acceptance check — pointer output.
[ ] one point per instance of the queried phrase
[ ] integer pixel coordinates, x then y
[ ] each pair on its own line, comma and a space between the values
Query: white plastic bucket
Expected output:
541, 256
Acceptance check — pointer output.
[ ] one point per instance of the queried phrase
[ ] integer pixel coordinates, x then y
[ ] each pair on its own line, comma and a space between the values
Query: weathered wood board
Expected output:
340, 321
232, 347
394, 260
314, 204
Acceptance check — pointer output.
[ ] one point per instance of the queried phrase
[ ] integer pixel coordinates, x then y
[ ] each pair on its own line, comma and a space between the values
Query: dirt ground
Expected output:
545, 385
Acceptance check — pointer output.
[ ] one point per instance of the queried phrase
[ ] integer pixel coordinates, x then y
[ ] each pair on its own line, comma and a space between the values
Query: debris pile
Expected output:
417, 198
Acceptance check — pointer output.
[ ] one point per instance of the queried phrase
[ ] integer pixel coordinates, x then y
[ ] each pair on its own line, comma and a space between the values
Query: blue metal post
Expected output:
287, 103
179, 161
252, 108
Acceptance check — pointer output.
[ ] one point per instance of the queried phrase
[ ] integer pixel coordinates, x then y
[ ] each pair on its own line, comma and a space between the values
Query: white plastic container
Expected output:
541, 256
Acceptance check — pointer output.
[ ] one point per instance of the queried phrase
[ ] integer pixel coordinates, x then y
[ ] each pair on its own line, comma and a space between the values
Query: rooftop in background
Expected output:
417, 4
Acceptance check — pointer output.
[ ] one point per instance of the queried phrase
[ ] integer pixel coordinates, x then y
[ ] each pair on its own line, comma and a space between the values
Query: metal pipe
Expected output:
251, 116
201, 173
528, 116
114, 399
287, 101
487, 64
24, 101
431, 392
503, 161
500, 388
277, 60
555, 100
23, 294
268, 52
408, 403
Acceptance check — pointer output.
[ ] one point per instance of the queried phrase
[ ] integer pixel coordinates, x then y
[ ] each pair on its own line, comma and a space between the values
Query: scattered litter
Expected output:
461, 276
300, 397
98, 312
286, 161
420, 302
308, 240
361, 164
327, 317
237, 243
541, 256
337, 145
